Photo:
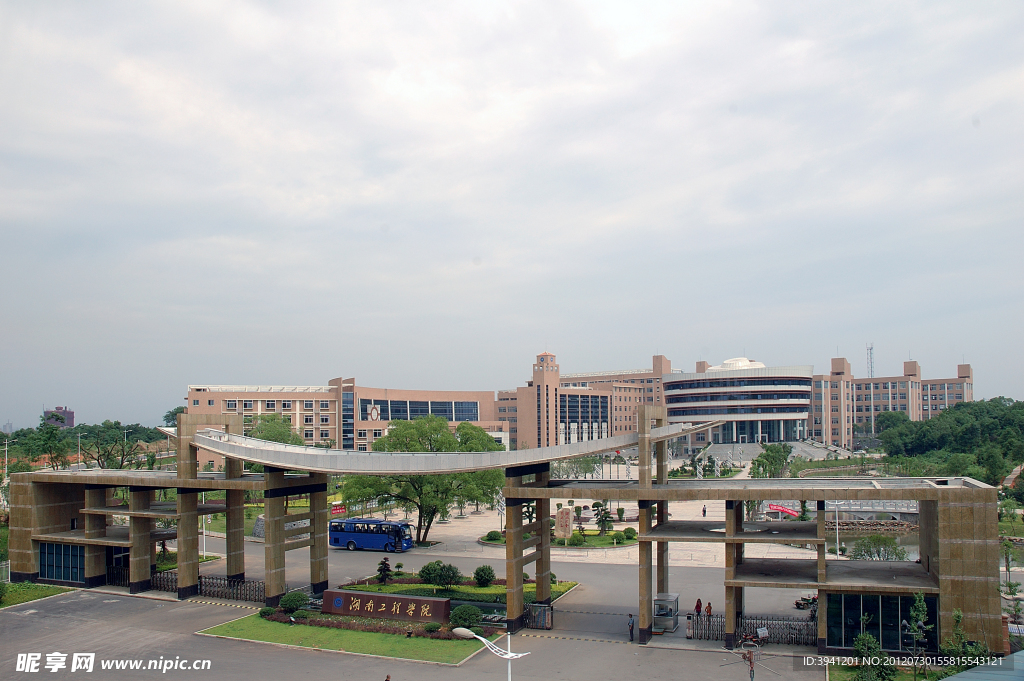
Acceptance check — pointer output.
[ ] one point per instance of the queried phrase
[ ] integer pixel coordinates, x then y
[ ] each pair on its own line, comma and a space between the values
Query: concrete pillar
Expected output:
644, 447
646, 605
273, 547
188, 543
318, 551
95, 528
822, 621
544, 547
514, 562
22, 551
235, 523
822, 553
139, 534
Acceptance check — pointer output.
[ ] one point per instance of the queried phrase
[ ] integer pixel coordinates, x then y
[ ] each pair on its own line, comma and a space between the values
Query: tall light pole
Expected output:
6, 443
462, 632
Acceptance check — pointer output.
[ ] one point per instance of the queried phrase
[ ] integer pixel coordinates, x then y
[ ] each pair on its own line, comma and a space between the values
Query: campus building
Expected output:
62, 417
756, 403
844, 405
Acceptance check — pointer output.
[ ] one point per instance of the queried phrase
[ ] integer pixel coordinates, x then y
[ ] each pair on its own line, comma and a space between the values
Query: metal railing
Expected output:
233, 590
118, 576
781, 630
5, 571
164, 581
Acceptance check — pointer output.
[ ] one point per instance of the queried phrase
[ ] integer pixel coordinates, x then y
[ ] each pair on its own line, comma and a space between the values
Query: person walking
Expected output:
707, 610
697, 608
704, 512
630, 625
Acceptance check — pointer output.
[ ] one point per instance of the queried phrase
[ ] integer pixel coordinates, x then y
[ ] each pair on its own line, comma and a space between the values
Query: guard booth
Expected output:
666, 613
540, 616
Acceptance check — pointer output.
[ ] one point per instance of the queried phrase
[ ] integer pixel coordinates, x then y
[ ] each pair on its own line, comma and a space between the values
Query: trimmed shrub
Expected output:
553, 579
479, 631
429, 571
493, 535
267, 612
596, 505
431, 627
621, 512
630, 533
577, 539
619, 537
467, 616
399, 566
301, 614
551, 522
293, 601
483, 575
559, 542
526, 577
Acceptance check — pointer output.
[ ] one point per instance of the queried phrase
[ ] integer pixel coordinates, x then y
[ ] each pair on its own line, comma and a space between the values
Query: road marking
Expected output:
588, 612
574, 638
226, 605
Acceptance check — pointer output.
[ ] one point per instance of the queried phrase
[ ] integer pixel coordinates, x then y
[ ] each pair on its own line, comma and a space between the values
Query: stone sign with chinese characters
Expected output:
387, 606
563, 523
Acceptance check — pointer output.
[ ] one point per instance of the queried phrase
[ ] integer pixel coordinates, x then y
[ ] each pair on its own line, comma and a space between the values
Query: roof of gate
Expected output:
319, 460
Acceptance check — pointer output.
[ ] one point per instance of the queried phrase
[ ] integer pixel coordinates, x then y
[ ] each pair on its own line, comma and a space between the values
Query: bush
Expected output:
619, 537
621, 513
267, 612
429, 571
577, 539
467, 616
440, 574
493, 535
553, 579
293, 601
526, 576
596, 505
559, 542
630, 533
479, 631
483, 575
431, 627
399, 566
301, 614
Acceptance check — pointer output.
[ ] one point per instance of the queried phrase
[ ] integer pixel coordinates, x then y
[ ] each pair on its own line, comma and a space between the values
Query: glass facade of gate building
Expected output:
850, 615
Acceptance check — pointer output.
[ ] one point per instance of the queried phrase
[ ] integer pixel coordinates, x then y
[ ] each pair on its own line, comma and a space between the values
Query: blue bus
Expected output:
368, 533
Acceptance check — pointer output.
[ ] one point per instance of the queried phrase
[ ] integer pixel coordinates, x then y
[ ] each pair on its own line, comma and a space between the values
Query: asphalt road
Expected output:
121, 627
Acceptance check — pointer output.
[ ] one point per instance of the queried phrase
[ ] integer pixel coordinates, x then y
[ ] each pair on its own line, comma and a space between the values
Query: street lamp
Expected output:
462, 632
7, 442
917, 633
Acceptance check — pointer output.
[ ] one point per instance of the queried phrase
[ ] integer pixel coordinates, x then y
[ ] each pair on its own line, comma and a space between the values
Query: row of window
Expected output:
503, 410
377, 432
731, 397
407, 410
738, 383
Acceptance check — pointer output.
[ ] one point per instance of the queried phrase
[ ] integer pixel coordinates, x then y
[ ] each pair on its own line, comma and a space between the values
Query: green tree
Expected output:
867, 647
117, 454
171, 417
51, 441
383, 570
604, 520
1014, 609
273, 428
804, 515
890, 419
919, 623
430, 495
878, 547
771, 462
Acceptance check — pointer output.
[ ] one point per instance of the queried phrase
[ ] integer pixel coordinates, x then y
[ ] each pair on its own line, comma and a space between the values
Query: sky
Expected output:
427, 195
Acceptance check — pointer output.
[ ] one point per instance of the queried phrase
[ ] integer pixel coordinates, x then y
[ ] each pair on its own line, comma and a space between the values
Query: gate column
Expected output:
646, 606
139, 533
318, 526
235, 521
273, 525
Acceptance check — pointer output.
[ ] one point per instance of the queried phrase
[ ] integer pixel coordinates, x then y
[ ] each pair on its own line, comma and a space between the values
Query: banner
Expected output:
783, 509
337, 509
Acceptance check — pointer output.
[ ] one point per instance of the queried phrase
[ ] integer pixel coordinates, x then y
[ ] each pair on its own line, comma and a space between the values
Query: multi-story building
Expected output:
844, 406
66, 417
757, 403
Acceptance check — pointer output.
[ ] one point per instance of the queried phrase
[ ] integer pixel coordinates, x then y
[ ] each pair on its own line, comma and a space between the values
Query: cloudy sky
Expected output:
425, 195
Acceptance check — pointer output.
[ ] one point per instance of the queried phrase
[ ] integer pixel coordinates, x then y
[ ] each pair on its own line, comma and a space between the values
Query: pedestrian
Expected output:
388, 678
697, 608
630, 624
704, 512
707, 610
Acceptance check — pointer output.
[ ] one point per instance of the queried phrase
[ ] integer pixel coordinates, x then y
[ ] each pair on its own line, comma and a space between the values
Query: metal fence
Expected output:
539, 616
5, 571
165, 581
118, 576
233, 590
781, 630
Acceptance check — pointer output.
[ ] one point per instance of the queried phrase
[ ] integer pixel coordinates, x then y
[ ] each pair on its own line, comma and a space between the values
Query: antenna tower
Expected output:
871, 360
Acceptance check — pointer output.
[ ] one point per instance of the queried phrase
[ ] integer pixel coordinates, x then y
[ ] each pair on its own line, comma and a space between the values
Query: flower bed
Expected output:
467, 591
377, 626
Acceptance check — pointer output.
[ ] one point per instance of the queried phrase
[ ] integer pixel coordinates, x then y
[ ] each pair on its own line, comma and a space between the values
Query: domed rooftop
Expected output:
737, 363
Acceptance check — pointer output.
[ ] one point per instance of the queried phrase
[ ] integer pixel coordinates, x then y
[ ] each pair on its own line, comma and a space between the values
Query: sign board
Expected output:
387, 606
501, 503
563, 523
783, 509
337, 509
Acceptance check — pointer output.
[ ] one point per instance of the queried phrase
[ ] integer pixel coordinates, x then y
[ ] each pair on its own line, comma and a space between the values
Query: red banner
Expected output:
337, 509
782, 509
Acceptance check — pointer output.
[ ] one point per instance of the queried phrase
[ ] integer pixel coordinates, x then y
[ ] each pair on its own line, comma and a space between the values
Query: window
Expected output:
835, 409
231, 404
325, 434
835, 421
501, 410
307, 419
286, 404
817, 396
903, 385
308, 433
701, 437
325, 404
835, 432
377, 432
307, 404
209, 403
360, 433
271, 405
361, 448
195, 403
835, 384
817, 420
246, 404
959, 396
325, 418
835, 397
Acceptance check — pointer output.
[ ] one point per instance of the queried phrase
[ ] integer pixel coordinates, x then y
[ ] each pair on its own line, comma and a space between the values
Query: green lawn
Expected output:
23, 592
495, 593
594, 541
218, 521
3, 542
1008, 529
170, 561
254, 628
